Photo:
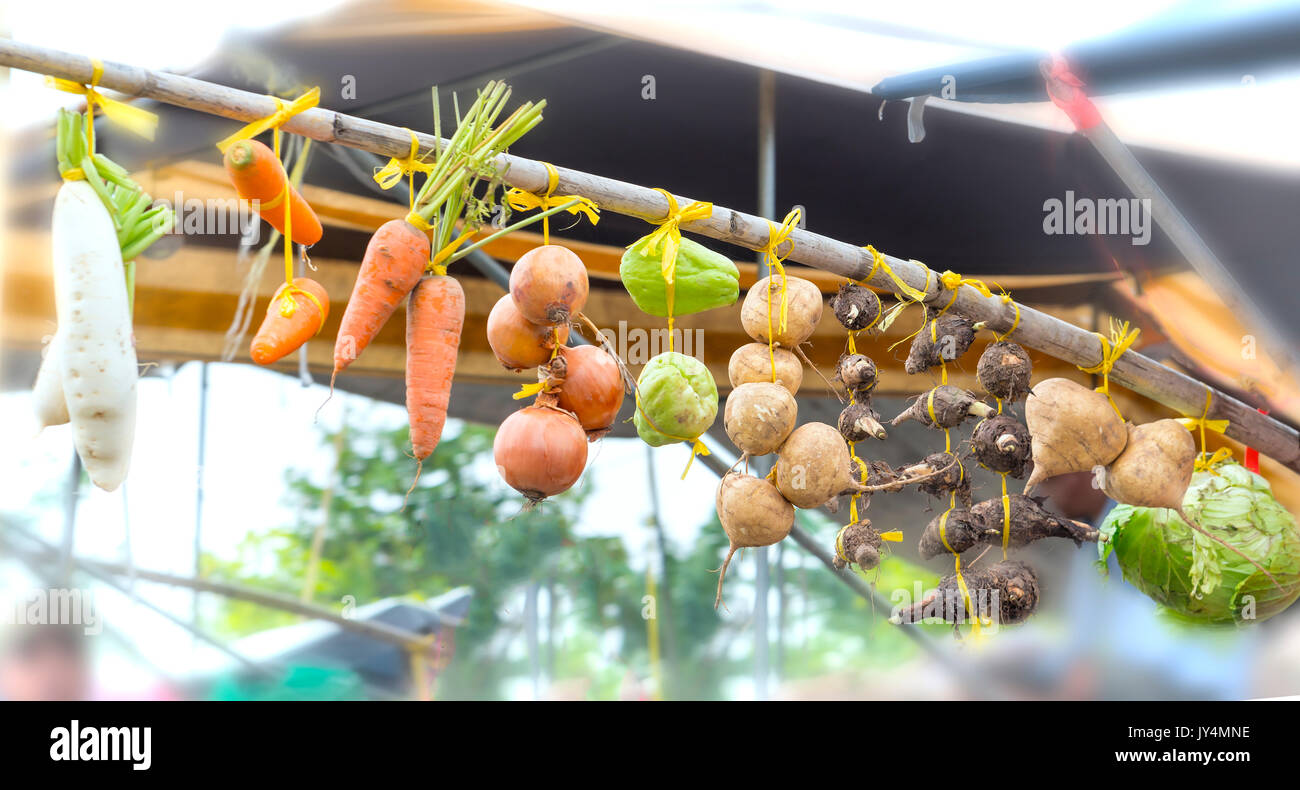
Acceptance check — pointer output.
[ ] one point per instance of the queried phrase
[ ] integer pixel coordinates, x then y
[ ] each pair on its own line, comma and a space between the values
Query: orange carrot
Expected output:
394, 261
435, 315
281, 334
258, 175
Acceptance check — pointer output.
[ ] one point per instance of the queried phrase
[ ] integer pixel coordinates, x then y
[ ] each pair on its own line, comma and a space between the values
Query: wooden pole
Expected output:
1035, 329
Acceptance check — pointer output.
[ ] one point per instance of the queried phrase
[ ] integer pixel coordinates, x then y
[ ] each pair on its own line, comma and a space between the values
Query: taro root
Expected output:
949, 404
859, 421
1007, 592
1003, 445
758, 417
942, 340
982, 525
1074, 429
943, 474
1003, 371
855, 307
752, 362
858, 544
753, 513
857, 373
803, 310
879, 477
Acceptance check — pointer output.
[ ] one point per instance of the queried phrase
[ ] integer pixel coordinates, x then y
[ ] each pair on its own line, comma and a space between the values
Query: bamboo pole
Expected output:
1035, 329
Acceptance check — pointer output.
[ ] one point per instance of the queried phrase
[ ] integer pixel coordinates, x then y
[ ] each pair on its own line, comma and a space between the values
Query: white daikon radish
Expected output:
47, 394
97, 346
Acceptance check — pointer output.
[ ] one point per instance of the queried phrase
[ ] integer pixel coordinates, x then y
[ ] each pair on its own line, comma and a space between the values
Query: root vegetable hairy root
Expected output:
1006, 591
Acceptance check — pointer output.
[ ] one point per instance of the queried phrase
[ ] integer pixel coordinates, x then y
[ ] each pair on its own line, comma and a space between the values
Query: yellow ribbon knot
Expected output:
1112, 348
275, 120
521, 200
952, 281
135, 119
669, 233
391, 174
1204, 459
776, 236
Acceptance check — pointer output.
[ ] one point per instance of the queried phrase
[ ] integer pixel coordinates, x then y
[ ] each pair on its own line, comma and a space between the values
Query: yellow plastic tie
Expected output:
134, 119
893, 536
1112, 348
669, 235
1006, 516
839, 544
697, 447
391, 174
879, 262
961, 580
1204, 459
275, 120
921, 301
521, 200
1015, 322
529, 390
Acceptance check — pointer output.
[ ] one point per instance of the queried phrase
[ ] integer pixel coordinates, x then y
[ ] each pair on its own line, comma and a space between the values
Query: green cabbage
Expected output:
677, 393
1199, 579
702, 280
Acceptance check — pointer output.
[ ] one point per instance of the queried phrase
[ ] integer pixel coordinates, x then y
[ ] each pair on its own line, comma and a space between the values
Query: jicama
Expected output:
802, 310
1074, 429
759, 416
753, 362
752, 513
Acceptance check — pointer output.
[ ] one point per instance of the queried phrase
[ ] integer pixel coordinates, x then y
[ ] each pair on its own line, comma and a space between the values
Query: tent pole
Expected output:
1036, 329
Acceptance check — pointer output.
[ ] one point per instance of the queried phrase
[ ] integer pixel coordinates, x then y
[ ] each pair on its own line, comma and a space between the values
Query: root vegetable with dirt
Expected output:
855, 307
942, 340
943, 474
982, 525
1001, 443
858, 374
858, 544
948, 405
1006, 592
859, 421
1004, 370
752, 363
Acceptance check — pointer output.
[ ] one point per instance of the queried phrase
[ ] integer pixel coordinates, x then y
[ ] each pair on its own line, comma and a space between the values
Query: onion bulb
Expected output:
540, 451
592, 388
517, 342
549, 284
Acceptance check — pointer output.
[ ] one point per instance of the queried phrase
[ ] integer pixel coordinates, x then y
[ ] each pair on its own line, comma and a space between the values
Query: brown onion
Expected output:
540, 451
549, 284
592, 388
517, 342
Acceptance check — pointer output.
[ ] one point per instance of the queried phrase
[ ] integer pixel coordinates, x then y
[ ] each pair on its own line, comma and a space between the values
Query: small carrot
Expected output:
394, 262
258, 175
292, 322
435, 316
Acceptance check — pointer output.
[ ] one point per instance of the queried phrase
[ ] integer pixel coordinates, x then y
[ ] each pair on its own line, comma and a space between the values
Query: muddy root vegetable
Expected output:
855, 307
753, 513
857, 544
1155, 467
517, 342
549, 284
942, 340
951, 532
857, 373
592, 388
1030, 521
758, 417
1004, 370
859, 421
948, 405
540, 451
1001, 443
803, 310
813, 466
1006, 592
1074, 429
751, 363
878, 476
941, 474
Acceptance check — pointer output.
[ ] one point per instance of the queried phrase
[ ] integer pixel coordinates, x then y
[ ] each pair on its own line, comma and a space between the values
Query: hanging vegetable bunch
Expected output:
102, 221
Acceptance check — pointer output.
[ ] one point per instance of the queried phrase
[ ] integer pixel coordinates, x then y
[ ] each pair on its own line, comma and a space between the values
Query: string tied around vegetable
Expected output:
778, 235
283, 112
961, 580
128, 116
665, 241
392, 173
893, 536
1206, 461
522, 200
1112, 348
697, 445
